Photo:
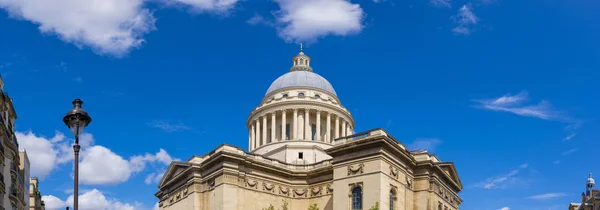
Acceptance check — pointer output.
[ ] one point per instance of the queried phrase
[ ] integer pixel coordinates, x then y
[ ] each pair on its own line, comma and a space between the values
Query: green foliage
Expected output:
376, 207
284, 206
313, 207
271, 207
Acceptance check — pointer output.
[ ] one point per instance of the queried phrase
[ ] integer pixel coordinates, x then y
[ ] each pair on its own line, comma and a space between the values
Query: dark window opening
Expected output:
300, 155
285, 95
301, 94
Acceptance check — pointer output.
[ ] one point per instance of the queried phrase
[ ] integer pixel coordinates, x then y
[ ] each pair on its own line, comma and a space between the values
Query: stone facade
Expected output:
35, 197
302, 151
590, 199
12, 173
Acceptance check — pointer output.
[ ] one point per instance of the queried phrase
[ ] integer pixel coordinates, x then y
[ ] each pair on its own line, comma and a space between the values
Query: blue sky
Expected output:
505, 89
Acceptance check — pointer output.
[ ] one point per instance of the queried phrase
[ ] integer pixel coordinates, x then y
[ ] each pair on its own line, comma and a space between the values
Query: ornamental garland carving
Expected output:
316, 191
394, 171
359, 169
300, 192
409, 182
329, 188
284, 190
251, 183
268, 187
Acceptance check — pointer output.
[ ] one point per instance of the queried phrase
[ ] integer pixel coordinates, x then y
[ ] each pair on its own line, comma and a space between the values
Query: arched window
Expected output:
392, 200
317, 96
285, 95
357, 198
301, 94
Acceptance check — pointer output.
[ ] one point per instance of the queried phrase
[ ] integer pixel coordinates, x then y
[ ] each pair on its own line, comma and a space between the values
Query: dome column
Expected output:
252, 137
337, 127
295, 126
307, 127
264, 130
273, 126
257, 132
344, 129
283, 125
328, 128
318, 122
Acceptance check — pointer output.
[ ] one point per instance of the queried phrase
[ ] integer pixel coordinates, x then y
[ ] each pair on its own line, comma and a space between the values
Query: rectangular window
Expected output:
313, 128
287, 131
300, 155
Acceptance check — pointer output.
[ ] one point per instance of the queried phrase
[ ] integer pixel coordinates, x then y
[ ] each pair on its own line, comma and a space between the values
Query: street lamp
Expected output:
76, 119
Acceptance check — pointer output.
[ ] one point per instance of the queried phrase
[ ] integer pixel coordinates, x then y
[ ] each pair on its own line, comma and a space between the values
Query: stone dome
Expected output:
301, 79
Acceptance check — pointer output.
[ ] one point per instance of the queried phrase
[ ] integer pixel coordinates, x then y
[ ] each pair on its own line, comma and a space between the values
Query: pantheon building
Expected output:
303, 153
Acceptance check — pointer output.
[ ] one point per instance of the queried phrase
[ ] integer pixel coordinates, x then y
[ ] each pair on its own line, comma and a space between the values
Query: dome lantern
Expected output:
301, 62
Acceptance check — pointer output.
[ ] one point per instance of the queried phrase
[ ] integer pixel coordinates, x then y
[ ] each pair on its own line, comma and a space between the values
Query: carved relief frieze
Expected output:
315, 191
359, 169
211, 183
409, 182
284, 190
300, 192
252, 183
268, 187
394, 171
329, 189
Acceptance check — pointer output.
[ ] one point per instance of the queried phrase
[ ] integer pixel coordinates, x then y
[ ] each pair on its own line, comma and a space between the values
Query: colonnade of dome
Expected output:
299, 107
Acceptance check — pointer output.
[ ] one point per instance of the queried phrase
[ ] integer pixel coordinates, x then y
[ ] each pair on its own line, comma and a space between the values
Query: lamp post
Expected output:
76, 119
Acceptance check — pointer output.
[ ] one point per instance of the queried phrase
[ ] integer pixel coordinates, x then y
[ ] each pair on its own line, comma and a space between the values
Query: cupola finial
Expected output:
301, 61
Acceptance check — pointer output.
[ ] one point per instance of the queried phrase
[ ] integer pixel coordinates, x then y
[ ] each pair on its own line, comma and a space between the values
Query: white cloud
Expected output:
547, 196
219, 6
101, 166
98, 166
568, 152
53, 202
107, 26
441, 3
155, 207
516, 104
501, 181
464, 20
428, 144
569, 137
90, 200
112, 27
504, 208
42, 154
169, 126
155, 177
308, 20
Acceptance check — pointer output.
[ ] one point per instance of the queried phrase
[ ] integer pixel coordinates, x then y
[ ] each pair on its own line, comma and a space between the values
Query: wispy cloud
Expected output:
516, 104
547, 196
568, 152
501, 181
556, 162
441, 3
569, 137
504, 208
169, 126
428, 144
464, 20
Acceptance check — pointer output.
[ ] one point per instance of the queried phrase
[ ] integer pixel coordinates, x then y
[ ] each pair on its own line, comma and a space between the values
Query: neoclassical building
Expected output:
302, 152
590, 199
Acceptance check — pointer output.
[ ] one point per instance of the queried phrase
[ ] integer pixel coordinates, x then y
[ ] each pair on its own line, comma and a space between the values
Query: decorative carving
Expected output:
300, 192
268, 187
251, 183
284, 190
316, 191
408, 182
359, 169
394, 171
329, 188
185, 190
